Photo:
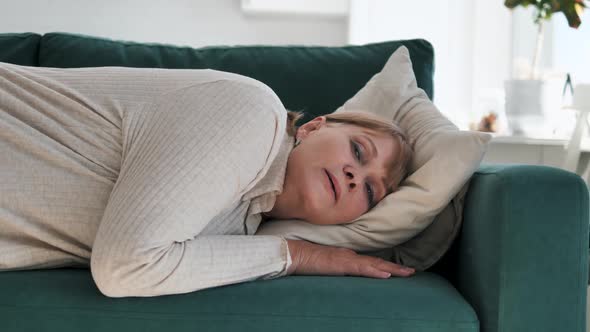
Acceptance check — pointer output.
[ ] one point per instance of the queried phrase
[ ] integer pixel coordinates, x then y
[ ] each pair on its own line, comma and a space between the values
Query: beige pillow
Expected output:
444, 160
425, 249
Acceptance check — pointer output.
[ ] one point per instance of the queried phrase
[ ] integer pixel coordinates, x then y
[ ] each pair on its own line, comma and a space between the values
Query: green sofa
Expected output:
520, 262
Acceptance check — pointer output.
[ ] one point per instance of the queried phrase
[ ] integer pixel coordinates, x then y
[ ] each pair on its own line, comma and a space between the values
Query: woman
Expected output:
156, 178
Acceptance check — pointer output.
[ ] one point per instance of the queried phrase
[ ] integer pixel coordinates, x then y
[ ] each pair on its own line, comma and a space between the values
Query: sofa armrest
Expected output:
522, 255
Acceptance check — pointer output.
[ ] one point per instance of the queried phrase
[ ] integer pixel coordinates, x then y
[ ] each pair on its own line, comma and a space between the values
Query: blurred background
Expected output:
479, 44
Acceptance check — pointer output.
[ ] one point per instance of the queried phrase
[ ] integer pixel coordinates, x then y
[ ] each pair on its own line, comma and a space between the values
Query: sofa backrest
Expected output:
313, 79
20, 48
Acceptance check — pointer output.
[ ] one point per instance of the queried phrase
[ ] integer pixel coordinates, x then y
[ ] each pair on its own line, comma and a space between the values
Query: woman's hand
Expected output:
314, 259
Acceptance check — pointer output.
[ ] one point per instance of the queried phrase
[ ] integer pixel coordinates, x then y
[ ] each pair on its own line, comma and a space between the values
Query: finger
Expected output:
396, 269
373, 272
387, 266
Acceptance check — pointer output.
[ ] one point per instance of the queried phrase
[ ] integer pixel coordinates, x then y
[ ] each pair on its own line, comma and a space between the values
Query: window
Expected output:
471, 40
570, 48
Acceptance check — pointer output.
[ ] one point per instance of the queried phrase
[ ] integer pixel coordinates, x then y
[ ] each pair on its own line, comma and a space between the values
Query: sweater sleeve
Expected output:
186, 157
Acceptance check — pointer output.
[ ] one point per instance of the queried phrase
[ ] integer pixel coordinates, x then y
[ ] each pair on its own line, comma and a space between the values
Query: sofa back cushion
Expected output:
20, 48
313, 79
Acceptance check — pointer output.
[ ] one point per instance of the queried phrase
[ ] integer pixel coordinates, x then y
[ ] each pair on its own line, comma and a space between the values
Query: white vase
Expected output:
532, 105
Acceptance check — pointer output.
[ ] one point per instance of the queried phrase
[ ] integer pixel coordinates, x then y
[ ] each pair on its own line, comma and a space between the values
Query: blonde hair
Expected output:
397, 169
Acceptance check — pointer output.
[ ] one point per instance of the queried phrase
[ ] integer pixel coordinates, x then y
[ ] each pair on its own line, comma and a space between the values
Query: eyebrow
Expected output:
375, 154
373, 148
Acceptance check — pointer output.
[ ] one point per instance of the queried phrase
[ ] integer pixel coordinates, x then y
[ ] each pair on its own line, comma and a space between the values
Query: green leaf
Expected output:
572, 9
514, 3
573, 20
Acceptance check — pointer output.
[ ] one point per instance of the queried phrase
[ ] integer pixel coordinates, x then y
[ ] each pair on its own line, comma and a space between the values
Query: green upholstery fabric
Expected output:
67, 300
314, 79
521, 259
20, 48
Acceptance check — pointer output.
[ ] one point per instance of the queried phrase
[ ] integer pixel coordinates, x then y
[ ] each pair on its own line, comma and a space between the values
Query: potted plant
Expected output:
529, 102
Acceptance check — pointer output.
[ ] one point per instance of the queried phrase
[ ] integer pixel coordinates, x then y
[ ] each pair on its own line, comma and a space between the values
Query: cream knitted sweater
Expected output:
153, 178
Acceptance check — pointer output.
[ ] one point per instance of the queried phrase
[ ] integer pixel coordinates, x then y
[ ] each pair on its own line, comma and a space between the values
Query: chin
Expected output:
323, 222
315, 222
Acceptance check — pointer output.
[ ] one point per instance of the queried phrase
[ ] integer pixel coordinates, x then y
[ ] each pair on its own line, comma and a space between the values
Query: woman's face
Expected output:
325, 177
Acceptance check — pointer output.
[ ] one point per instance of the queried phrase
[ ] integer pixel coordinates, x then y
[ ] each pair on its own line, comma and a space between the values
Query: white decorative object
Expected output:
531, 105
581, 104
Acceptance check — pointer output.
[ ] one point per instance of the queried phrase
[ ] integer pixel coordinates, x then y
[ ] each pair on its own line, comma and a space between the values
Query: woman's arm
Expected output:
187, 157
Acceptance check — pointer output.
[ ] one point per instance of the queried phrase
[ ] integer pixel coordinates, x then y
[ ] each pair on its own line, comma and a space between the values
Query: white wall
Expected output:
181, 22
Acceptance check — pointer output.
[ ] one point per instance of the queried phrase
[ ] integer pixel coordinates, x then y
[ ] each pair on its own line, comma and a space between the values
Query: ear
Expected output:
310, 127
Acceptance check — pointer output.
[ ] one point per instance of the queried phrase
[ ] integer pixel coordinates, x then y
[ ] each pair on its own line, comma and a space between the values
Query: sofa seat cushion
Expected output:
295, 73
20, 48
66, 299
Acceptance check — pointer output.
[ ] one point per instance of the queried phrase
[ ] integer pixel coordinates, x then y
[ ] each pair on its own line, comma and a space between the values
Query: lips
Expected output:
333, 184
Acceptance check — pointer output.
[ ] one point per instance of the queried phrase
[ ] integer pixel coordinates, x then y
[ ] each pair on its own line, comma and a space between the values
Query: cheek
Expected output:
310, 191
327, 152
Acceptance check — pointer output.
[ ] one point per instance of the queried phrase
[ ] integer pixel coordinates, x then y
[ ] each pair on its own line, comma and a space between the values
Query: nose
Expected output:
351, 179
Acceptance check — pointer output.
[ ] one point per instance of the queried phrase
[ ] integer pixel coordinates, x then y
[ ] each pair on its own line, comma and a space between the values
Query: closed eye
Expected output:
369, 189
